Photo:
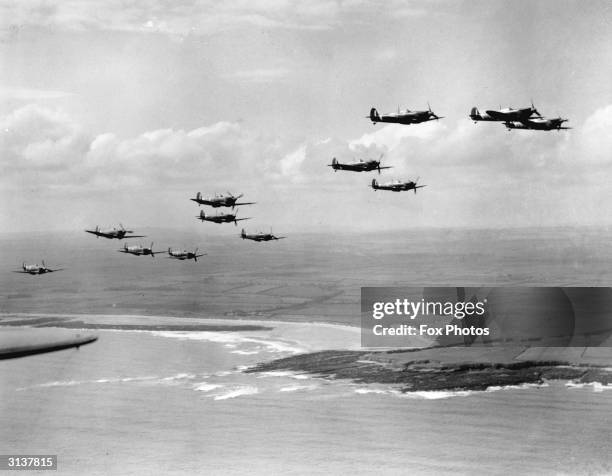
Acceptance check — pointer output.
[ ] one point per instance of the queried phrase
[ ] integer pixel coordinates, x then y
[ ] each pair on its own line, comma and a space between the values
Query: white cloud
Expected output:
197, 17
25, 94
476, 173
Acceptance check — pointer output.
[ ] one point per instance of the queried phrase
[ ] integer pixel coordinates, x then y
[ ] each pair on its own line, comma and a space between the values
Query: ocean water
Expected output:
139, 402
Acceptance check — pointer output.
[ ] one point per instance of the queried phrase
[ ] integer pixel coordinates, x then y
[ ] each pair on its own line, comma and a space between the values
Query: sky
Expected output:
119, 111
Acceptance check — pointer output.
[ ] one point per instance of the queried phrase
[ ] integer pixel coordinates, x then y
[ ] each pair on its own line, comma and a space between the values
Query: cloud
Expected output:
184, 17
41, 146
476, 174
24, 94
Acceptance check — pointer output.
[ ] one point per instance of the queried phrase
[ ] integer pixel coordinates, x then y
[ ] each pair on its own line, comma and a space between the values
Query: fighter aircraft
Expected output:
260, 236
220, 200
397, 186
184, 254
358, 166
505, 115
138, 250
36, 269
220, 218
116, 233
540, 124
404, 117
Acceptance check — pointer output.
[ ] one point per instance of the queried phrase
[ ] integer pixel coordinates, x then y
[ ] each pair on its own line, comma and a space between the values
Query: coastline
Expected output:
443, 369
338, 355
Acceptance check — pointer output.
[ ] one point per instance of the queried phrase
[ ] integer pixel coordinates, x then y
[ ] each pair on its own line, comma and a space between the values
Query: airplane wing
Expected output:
94, 232
54, 270
387, 167
420, 186
135, 236
23, 272
21, 342
240, 219
245, 203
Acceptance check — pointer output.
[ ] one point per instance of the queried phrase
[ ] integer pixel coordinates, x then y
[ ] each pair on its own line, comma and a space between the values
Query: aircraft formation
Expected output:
527, 118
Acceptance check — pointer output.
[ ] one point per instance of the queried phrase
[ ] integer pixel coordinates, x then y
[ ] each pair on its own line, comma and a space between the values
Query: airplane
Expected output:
22, 342
184, 254
222, 218
220, 200
359, 166
36, 269
138, 250
260, 236
117, 233
404, 117
397, 186
505, 115
540, 124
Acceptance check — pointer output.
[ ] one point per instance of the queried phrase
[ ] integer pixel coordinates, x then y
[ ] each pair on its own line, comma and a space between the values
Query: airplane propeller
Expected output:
535, 111
431, 113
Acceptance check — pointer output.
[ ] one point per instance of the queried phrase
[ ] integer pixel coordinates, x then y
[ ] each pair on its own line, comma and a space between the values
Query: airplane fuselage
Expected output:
403, 117
504, 115
537, 124
217, 202
35, 269
357, 166
229, 218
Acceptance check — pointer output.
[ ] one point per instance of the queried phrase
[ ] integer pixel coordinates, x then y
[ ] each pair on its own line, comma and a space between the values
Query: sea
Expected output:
179, 402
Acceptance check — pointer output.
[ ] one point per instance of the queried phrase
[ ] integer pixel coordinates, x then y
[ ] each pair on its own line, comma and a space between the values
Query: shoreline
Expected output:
411, 369
422, 373
131, 318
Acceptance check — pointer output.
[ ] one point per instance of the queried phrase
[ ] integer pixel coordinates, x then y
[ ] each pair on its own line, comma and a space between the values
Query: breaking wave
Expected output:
237, 392
233, 340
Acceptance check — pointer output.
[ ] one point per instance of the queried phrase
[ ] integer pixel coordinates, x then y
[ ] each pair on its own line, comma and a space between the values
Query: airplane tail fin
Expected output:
374, 184
475, 113
152, 252
242, 234
199, 195
374, 115
202, 215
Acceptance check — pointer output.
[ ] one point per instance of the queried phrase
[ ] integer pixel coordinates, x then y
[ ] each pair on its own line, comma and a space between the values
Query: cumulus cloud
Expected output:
42, 146
476, 173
